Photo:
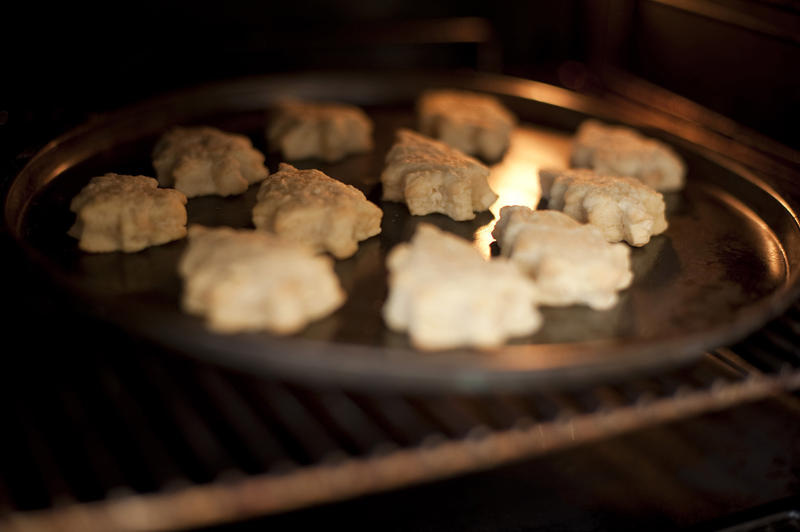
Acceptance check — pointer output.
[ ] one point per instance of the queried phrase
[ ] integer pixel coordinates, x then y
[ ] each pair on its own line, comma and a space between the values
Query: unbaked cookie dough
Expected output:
308, 206
201, 161
477, 124
430, 176
619, 150
445, 295
621, 207
326, 130
126, 213
571, 263
247, 280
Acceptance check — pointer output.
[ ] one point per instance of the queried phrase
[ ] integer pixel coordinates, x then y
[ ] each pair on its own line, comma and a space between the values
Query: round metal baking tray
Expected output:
728, 262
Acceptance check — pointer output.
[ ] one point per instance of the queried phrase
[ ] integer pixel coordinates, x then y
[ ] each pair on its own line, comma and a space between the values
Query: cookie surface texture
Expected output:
623, 208
247, 280
128, 213
477, 124
202, 161
570, 262
308, 206
326, 130
619, 150
430, 176
445, 295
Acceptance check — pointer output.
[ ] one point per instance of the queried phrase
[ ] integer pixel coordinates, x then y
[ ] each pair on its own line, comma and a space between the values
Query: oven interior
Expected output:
103, 437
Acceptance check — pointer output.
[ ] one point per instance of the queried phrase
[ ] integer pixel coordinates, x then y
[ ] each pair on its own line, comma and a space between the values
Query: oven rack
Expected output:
137, 440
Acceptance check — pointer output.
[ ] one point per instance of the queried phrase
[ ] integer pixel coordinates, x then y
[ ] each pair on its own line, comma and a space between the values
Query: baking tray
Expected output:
728, 262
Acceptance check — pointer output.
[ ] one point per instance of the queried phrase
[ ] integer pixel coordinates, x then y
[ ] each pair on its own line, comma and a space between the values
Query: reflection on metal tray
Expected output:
727, 263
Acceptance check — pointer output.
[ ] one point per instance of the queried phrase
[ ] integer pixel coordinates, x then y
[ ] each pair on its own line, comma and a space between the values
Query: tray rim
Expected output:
689, 347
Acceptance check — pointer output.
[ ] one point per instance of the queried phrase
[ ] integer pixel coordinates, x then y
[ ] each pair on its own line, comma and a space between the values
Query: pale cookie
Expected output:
619, 150
246, 280
570, 262
126, 213
430, 176
201, 161
621, 207
329, 131
445, 295
477, 124
308, 206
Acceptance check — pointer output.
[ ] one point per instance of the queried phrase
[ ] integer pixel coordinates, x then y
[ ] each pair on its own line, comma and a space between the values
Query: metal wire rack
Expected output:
136, 440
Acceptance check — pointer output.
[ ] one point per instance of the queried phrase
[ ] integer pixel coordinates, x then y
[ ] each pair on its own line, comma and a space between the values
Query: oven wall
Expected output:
740, 58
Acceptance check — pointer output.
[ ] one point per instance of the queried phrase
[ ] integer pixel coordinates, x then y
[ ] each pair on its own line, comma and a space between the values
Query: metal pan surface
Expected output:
728, 262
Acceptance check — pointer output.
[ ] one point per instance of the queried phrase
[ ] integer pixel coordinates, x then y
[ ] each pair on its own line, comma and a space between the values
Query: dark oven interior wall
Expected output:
93, 54
738, 57
62, 60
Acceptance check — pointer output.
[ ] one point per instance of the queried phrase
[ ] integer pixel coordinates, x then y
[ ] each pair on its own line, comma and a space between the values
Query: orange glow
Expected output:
516, 178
